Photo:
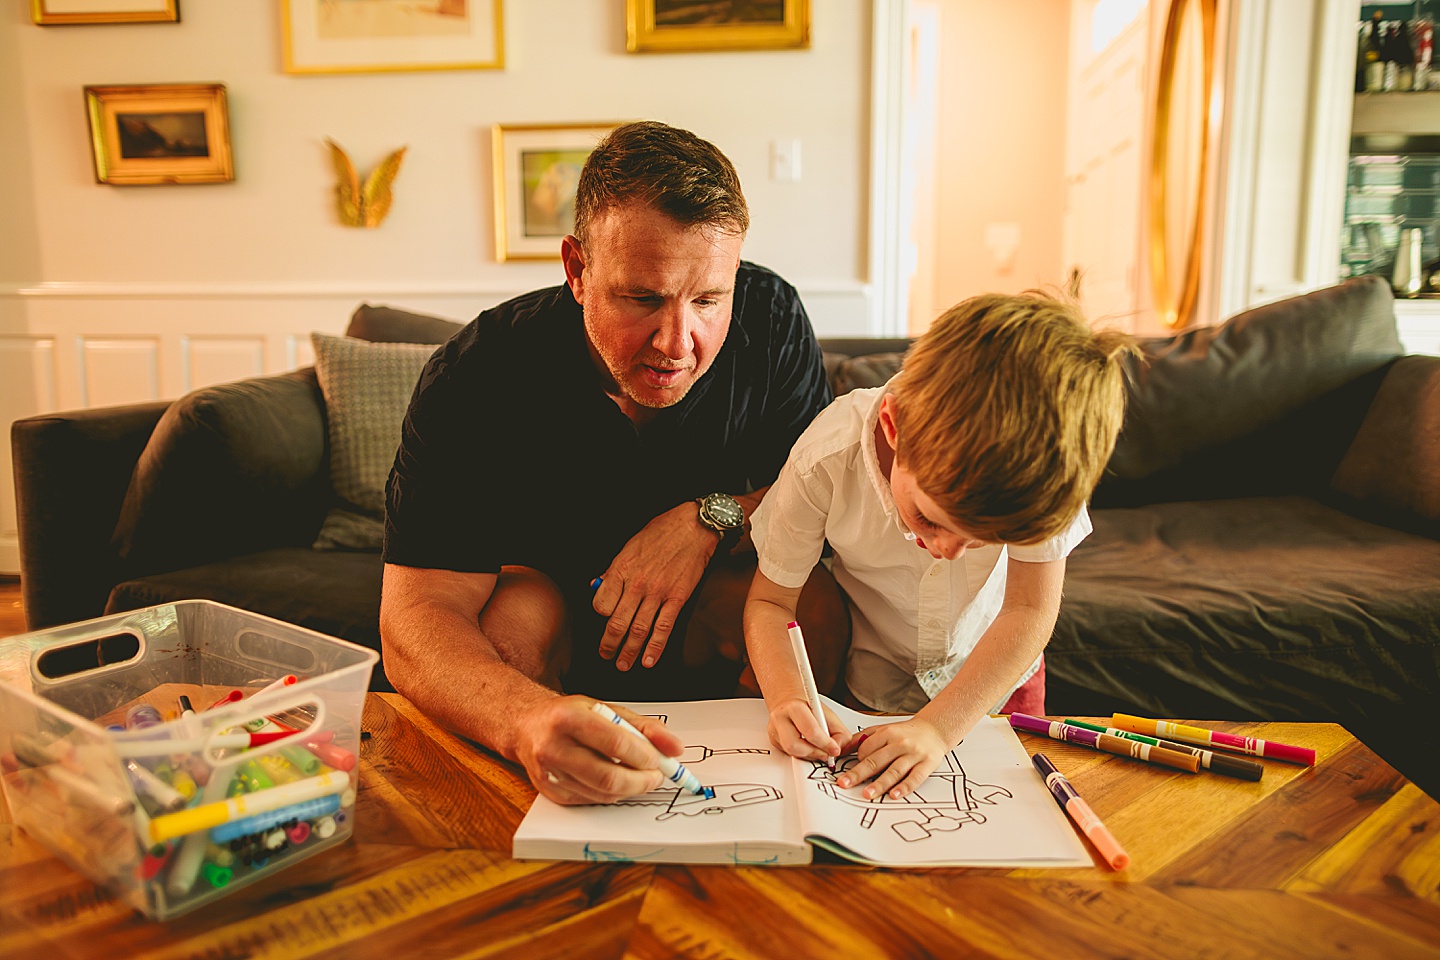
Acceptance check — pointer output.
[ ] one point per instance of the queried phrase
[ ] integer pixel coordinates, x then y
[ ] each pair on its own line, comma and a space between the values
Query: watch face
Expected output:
723, 511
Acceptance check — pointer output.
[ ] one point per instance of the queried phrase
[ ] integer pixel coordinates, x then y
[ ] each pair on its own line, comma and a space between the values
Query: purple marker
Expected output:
1056, 730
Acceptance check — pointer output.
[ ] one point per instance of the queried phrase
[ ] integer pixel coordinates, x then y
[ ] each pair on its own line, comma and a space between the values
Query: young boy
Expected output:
951, 497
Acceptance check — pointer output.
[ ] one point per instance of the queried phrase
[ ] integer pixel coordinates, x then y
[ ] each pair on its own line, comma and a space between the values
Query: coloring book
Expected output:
983, 806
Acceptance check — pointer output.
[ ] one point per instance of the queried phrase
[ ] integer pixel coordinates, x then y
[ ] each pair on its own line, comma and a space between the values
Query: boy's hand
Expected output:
793, 729
899, 755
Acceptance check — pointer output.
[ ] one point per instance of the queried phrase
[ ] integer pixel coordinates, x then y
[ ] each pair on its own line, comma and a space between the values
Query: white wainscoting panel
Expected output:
27, 369
208, 360
115, 370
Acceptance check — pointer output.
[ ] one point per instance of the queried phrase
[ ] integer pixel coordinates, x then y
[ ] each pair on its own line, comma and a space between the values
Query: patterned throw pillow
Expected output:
367, 388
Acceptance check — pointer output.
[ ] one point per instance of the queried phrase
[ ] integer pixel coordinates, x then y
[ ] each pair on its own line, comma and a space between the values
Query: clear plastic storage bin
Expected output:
173, 810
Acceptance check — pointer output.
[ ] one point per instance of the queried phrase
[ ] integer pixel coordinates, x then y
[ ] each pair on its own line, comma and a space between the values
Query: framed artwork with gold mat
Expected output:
537, 168
369, 36
160, 133
53, 12
653, 26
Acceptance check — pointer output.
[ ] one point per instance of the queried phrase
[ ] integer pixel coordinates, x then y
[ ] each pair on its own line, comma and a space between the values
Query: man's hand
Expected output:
648, 583
899, 755
573, 755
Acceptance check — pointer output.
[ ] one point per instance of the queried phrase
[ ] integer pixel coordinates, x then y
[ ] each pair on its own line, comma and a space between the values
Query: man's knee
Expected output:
527, 623
716, 632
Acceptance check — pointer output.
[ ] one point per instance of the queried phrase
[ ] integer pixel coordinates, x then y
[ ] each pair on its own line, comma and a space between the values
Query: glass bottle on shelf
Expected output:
1372, 36
1424, 33
1404, 58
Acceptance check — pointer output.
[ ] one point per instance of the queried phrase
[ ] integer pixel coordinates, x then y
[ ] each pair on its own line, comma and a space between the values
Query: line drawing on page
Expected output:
945, 802
694, 755
728, 796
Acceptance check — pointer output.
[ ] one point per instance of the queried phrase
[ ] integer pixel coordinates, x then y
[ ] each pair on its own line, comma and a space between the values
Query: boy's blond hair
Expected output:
1006, 411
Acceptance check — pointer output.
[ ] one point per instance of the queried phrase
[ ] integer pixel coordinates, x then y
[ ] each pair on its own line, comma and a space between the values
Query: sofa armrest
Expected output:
1391, 472
71, 473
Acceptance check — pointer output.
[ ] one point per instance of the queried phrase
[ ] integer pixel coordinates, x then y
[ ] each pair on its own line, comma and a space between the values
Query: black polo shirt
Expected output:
511, 452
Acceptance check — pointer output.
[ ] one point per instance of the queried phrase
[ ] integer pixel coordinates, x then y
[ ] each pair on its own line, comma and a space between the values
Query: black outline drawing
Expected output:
920, 815
728, 796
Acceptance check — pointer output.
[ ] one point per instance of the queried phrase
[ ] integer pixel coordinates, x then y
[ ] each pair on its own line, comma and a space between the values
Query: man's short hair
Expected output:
1006, 412
668, 169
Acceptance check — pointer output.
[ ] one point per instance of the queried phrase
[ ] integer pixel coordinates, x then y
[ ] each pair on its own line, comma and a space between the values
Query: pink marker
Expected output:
1252, 746
807, 679
284, 681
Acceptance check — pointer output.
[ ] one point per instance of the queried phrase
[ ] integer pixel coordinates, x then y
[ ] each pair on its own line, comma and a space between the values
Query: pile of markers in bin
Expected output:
210, 806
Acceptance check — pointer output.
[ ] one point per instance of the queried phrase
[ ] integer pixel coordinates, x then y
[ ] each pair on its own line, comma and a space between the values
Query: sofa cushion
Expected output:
335, 593
1391, 472
367, 388
215, 477
382, 324
872, 370
1209, 385
1276, 608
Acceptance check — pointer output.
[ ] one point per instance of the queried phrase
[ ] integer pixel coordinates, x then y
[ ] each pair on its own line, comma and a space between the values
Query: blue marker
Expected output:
304, 810
595, 584
673, 769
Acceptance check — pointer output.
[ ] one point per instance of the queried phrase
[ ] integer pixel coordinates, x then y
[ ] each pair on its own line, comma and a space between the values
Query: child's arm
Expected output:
768, 610
904, 754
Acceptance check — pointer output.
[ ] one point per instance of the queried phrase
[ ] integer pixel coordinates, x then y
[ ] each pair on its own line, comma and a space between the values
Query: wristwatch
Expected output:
723, 514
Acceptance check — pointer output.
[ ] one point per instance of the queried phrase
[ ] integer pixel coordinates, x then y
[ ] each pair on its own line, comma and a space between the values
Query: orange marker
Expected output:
1080, 812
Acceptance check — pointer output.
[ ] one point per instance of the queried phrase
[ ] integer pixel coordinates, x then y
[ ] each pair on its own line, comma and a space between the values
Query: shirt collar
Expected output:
871, 458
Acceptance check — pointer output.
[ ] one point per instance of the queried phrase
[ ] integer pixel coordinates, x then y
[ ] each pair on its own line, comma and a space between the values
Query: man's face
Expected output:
656, 297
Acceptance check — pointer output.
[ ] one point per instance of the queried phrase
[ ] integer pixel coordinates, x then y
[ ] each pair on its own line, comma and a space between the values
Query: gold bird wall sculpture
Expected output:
363, 205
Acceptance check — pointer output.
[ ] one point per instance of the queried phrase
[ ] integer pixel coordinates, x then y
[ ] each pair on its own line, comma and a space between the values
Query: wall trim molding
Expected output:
310, 290
889, 279
9, 554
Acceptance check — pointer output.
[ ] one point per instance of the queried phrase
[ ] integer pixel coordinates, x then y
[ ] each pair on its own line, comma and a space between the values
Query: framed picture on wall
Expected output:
537, 167
51, 12
368, 36
674, 25
160, 133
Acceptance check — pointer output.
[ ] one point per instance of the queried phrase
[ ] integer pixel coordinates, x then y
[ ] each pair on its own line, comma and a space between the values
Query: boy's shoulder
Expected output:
839, 430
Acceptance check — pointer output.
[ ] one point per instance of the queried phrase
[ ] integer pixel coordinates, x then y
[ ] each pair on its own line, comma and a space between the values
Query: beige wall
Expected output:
1000, 144
565, 62
123, 294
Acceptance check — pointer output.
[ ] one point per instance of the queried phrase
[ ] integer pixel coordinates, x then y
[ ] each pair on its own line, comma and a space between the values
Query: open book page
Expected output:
983, 806
752, 818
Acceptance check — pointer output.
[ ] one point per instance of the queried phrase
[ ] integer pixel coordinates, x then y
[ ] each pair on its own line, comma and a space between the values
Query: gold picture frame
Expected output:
381, 36
669, 26
160, 133
537, 167
54, 12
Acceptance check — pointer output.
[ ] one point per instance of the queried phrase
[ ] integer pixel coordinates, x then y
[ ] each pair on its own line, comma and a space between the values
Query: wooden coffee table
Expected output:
1339, 860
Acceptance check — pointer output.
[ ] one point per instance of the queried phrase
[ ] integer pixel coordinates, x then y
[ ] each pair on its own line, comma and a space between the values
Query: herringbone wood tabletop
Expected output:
1342, 860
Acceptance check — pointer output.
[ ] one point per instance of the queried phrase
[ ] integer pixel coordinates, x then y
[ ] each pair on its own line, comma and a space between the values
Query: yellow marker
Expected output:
208, 815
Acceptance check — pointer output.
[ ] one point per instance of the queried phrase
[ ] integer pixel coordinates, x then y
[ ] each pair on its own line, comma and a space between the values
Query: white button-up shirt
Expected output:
915, 619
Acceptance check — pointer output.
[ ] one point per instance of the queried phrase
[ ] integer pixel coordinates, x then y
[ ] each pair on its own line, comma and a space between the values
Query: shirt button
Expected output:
933, 624
934, 571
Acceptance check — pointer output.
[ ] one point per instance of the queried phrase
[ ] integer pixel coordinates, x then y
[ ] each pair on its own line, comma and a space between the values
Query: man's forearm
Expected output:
442, 663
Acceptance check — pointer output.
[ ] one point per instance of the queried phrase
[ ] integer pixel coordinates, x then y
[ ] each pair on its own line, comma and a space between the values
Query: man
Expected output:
619, 426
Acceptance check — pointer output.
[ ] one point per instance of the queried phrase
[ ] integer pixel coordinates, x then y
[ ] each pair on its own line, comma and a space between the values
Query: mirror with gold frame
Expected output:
1186, 116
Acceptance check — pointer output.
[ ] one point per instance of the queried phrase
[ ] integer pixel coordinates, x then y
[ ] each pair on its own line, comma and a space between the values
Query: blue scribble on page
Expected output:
615, 856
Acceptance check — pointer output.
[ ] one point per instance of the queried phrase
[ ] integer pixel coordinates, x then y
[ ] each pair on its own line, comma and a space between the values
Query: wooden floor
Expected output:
12, 613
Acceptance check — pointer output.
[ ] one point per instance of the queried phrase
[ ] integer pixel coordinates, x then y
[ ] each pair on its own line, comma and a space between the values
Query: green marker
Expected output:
1209, 759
